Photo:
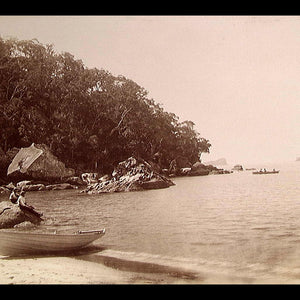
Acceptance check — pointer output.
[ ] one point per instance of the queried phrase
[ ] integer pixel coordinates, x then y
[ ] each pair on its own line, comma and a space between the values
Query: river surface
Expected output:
241, 226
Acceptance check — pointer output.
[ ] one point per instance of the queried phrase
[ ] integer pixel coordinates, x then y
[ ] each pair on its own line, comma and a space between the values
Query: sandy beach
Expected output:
88, 270
71, 270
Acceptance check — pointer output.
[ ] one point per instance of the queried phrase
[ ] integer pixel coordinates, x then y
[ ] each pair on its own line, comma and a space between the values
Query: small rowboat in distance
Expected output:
265, 172
15, 243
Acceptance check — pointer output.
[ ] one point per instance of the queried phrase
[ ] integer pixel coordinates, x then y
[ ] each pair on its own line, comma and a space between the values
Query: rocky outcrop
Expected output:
11, 215
130, 175
238, 168
198, 169
38, 163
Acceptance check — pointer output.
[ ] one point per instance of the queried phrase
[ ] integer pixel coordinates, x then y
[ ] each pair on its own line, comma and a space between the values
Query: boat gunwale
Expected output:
53, 234
20, 242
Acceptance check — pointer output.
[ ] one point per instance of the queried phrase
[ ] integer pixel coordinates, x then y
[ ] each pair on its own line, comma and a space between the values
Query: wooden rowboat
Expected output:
13, 243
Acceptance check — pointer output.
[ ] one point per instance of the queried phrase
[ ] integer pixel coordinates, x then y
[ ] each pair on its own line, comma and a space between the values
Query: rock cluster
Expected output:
197, 169
29, 186
238, 168
130, 175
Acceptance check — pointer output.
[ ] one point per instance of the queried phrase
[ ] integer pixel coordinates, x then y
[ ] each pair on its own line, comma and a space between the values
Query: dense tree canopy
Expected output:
89, 118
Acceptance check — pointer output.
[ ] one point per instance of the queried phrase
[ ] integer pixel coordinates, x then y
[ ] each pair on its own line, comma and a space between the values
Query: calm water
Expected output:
240, 225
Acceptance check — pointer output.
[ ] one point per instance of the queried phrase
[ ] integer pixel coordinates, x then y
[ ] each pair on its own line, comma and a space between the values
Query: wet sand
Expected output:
93, 269
74, 270
98, 268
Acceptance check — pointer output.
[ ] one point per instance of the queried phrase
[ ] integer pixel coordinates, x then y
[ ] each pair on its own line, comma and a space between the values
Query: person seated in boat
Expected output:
265, 170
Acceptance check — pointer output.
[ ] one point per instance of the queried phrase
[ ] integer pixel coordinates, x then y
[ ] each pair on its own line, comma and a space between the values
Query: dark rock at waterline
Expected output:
154, 184
28, 186
199, 172
238, 168
199, 169
60, 186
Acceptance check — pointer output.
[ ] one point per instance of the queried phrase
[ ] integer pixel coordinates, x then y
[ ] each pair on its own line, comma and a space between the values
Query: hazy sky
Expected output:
236, 77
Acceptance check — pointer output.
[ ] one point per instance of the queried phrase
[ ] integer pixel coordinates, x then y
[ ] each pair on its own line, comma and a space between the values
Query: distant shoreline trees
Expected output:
89, 118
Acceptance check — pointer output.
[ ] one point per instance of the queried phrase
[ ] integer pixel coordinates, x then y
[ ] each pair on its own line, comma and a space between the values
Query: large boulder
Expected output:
130, 175
198, 169
238, 168
37, 162
11, 215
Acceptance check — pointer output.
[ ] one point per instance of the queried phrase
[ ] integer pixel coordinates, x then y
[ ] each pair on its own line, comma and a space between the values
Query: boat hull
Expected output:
14, 243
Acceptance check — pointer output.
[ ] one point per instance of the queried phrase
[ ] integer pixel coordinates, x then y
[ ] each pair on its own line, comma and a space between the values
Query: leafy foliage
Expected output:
89, 118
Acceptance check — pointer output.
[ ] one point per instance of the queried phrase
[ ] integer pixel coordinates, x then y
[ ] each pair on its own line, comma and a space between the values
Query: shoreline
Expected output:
104, 268
83, 270
74, 270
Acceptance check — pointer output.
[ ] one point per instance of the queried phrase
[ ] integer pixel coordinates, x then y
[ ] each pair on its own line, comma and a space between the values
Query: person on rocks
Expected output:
14, 195
21, 200
23, 205
17, 196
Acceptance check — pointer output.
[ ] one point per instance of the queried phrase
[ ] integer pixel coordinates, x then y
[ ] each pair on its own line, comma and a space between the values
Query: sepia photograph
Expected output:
149, 149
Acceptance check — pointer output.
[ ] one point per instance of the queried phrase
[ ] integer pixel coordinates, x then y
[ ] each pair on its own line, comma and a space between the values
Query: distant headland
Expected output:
218, 162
